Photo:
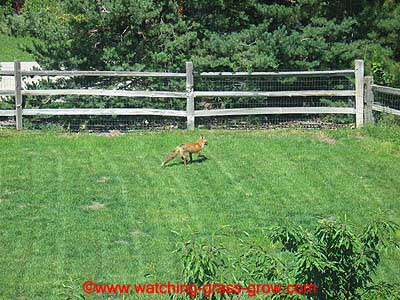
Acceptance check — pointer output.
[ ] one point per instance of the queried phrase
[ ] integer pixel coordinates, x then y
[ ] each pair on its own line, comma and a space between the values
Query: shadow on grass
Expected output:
199, 160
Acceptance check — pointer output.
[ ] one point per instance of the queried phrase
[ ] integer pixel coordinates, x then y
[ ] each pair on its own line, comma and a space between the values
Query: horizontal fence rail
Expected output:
384, 99
103, 112
6, 73
274, 111
386, 109
276, 94
102, 73
110, 93
385, 89
287, 73
95, 74
190, 94
7, 113
7, 93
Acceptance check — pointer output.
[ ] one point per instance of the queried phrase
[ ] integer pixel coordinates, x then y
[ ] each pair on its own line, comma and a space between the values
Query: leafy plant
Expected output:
202, 264
380, 75
339, 261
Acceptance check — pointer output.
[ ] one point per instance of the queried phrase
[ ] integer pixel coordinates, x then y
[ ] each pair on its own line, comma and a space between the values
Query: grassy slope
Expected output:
252, 180
10, 48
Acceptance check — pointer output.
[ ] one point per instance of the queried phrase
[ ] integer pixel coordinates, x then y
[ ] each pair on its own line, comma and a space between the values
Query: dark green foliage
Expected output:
221, 35
341, 262
217, 35
202, 264
380, 75
6, 7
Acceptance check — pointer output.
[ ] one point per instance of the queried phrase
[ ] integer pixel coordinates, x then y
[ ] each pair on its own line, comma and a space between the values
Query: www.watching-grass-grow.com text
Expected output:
251, 290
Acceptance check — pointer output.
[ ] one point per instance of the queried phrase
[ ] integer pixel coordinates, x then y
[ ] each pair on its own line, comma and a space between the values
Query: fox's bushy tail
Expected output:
170, 156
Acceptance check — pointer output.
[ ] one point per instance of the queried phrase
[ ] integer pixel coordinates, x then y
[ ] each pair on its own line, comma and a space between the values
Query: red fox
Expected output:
185, 149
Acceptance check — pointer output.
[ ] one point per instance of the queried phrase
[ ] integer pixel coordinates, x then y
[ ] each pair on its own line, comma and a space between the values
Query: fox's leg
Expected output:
191, 158
184, 158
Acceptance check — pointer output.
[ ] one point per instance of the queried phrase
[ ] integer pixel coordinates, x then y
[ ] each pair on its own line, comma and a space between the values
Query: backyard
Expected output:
85, 206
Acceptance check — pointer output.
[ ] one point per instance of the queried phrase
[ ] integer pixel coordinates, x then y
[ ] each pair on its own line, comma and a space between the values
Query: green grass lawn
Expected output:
10, 48
79, 207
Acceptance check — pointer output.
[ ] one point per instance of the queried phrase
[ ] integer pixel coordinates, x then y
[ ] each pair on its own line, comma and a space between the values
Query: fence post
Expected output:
18, 94
359, 76
190, 96
369, 100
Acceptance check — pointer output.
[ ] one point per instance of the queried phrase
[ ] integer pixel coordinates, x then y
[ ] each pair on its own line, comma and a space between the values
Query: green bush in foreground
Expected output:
201, 266
340, 262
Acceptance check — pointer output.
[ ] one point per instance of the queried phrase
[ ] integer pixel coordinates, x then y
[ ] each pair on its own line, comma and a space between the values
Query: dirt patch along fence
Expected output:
191, 96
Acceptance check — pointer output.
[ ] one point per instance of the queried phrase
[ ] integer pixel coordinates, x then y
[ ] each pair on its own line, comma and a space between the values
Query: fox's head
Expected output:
203, 140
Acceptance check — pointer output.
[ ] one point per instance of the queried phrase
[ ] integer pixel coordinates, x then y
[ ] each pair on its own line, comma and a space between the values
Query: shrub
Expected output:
202, 264
341, 262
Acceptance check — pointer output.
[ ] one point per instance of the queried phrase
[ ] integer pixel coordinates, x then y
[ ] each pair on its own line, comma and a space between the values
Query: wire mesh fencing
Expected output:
274, 83
104, 101
6, 102
386, 101
6, 83
106, 122
7, 122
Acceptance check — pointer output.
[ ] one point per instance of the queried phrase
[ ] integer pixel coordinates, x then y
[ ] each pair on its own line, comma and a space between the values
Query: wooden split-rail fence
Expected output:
363, 93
